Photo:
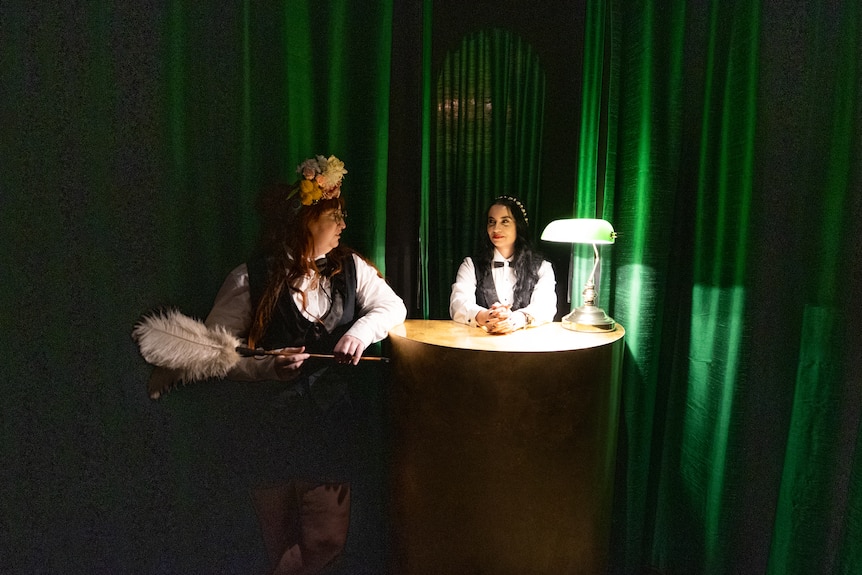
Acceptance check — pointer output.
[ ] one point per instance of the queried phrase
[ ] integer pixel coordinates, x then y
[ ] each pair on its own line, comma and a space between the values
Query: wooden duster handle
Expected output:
248, 352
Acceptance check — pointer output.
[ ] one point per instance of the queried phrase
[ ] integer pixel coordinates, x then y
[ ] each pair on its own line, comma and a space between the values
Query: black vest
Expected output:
486, 292
288, 327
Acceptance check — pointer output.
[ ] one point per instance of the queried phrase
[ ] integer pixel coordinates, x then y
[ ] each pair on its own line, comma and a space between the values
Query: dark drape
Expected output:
729, 137
136, 136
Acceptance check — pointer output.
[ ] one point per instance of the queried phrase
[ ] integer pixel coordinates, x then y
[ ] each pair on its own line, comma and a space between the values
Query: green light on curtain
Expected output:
381, 158
590, 158
299, 83
336, 77
718, 314
644, 192
336, 84
808, 508
635, 283
714, 360
690, 403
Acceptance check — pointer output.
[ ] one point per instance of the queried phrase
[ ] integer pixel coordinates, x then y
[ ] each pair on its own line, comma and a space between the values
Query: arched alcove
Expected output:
489, 115
556, 35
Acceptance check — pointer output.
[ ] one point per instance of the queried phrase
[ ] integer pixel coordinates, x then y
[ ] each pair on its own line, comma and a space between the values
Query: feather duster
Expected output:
186, 346
187, 350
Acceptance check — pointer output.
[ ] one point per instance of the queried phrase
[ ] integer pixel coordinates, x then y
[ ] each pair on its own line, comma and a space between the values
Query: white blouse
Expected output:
380, 309
462, 302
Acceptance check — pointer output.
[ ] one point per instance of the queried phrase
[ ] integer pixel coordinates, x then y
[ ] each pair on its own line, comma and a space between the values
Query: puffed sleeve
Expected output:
380, 308
462, 301
232, 310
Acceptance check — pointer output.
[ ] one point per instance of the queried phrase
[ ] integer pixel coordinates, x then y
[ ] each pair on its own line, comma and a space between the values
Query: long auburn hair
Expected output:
288, 246
525, 260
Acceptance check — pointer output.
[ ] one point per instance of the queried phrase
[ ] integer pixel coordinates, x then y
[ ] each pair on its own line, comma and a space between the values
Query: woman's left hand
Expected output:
499, 319
508, 322
287, 365
348, 350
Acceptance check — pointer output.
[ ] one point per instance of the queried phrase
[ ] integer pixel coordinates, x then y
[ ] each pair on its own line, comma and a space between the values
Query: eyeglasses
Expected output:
338, 216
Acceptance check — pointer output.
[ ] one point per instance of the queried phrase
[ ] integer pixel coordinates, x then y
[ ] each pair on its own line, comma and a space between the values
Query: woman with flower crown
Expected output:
305, 293
506, 285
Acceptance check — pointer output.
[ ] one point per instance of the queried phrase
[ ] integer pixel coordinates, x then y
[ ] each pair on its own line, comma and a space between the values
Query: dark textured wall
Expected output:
96, 477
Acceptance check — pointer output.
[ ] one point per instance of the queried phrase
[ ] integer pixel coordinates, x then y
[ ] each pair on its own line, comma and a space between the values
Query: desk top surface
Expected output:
548, 337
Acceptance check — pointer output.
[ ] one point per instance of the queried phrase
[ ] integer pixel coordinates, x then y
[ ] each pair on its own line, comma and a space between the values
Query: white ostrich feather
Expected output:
186, 346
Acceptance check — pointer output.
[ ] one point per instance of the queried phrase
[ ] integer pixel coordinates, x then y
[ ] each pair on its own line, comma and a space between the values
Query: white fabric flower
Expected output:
332, 170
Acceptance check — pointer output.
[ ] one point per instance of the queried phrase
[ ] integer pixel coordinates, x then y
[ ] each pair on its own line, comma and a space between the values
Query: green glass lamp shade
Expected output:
588, 317
580, 231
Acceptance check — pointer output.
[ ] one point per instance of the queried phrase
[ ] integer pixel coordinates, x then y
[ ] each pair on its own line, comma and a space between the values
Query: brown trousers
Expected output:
304, 525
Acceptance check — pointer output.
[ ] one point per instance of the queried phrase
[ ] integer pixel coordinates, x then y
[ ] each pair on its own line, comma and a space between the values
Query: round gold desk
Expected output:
504, 448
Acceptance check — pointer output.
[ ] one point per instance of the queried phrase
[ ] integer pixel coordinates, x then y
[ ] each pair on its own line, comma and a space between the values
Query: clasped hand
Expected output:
498, 319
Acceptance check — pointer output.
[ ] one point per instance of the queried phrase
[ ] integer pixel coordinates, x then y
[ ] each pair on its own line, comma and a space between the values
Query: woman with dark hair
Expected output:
506, 285
305, 294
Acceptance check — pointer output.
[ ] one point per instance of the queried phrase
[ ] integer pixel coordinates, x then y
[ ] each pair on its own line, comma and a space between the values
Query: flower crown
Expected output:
518, 203
321, 179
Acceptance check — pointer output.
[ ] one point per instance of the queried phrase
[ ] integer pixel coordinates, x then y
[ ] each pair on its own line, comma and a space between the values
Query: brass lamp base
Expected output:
588, 318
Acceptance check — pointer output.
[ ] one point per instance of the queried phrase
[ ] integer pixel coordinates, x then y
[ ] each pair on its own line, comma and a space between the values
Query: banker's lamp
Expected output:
588, 317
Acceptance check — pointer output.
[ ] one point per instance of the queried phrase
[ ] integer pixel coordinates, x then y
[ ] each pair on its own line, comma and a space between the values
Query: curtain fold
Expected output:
427, 90
732, 175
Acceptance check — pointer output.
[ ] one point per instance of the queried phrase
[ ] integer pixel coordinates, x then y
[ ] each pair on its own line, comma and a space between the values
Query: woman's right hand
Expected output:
497, 314
289, 362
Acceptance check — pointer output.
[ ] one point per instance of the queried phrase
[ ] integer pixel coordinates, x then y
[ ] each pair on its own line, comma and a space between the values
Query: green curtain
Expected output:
729, 163
426, 97
489, 117
276, 84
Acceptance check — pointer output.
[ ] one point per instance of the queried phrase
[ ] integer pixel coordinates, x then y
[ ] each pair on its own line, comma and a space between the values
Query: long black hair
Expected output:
526, 260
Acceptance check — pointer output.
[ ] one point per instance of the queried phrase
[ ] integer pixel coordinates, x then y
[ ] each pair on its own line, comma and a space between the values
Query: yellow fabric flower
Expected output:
322, 178
309, 192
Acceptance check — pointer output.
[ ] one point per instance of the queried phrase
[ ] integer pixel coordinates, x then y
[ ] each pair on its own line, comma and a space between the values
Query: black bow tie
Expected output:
499, 264
322, 265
